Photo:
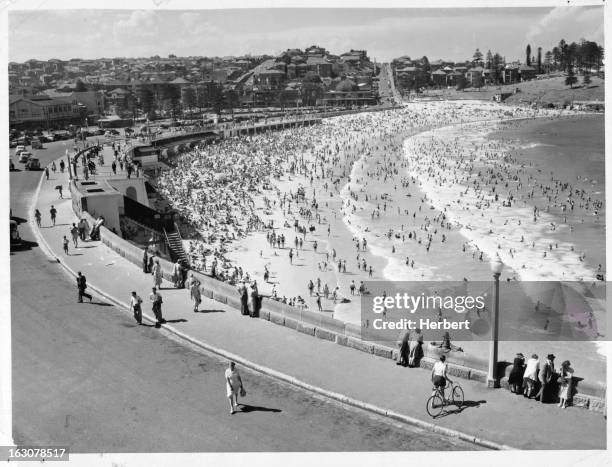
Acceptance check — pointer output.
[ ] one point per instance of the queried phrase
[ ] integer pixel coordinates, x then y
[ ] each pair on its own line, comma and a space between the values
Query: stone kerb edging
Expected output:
330, 329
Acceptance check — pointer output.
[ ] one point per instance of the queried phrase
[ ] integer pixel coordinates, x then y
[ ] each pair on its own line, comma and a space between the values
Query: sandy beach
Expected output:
416, 184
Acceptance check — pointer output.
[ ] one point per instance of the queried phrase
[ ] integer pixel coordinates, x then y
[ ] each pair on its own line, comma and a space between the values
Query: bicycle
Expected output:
437, 402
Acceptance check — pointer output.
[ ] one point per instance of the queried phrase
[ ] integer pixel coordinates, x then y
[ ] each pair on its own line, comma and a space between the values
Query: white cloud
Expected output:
566, 22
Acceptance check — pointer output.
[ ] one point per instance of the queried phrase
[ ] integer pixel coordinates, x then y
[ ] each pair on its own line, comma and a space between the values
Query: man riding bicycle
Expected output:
439, 377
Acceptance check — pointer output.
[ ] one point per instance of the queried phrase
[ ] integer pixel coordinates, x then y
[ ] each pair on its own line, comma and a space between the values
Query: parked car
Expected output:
19, 149
24, 156
32, 164
12, 143
37, 143
15, 237
49, 138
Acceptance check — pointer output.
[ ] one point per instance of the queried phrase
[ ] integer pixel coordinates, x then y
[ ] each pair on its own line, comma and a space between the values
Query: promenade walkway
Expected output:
495, 415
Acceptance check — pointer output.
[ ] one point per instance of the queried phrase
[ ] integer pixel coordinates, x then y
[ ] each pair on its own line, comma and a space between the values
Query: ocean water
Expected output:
458, 171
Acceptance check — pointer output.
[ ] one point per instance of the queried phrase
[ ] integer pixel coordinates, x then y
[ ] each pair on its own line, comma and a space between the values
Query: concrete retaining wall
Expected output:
315, 324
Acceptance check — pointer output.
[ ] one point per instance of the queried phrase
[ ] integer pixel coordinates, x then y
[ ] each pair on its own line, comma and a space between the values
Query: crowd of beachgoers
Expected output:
252, 206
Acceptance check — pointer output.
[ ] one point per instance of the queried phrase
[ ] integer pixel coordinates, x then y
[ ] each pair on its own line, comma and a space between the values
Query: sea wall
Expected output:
589, 394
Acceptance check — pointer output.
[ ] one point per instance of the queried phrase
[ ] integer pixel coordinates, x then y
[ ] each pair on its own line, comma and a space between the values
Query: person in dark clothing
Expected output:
515, 379
81, 287
244, 299
145, 262
404, 352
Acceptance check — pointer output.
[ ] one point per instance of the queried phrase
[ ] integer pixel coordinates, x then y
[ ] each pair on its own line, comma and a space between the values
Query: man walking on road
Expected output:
66, 245
47, 172
135, 302
156, 302
53, 213
81, 286
37, 216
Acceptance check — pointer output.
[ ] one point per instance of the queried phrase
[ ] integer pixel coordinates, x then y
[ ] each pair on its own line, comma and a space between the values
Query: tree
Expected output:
556, 53
539, 59
189, 98
586, 79
231, 100
80, 86
216, 99
425, 64
570, 79
528, 55
147, 101
477, 58
548, 59
171, 95
489, 60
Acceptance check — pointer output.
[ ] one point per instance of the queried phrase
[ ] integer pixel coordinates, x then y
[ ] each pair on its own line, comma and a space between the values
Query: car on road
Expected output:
32, 164
19, 149
111, 133
37, 143
15, 237
48, 138
24, 156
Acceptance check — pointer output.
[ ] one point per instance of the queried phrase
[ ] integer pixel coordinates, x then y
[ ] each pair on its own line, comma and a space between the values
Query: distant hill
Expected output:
548, 90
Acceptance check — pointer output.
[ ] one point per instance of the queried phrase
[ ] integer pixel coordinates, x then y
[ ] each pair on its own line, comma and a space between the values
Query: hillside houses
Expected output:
413, 75
132, 87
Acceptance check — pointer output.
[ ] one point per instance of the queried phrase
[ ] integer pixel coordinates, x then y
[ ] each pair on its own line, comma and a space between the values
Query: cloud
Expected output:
138, 24
570, 23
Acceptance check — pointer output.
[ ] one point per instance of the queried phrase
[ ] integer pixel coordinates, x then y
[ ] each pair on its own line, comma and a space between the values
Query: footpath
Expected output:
494, 418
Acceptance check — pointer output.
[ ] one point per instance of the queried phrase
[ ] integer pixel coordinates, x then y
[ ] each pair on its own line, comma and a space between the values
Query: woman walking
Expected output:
196, 296
157, 274
565, 380
233, 386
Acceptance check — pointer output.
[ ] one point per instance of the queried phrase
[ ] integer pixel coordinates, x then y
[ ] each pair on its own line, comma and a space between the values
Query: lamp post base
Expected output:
493, 383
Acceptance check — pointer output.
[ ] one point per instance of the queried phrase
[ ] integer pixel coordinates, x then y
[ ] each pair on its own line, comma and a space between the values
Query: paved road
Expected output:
84, 375
385, 85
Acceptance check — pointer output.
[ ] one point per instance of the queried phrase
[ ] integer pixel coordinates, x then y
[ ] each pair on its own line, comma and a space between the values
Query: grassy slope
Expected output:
546, 90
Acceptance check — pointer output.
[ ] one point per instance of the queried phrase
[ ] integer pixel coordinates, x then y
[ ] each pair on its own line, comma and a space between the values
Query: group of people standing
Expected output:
249, 299
535, 374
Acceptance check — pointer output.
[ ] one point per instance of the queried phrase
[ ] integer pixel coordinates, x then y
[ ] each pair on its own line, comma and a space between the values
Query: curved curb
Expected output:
273, 373
42, 243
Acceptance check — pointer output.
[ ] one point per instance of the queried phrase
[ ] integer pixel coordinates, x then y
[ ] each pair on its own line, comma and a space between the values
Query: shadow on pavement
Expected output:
181, 320
456, 410
24, 245
210, 311
254, 408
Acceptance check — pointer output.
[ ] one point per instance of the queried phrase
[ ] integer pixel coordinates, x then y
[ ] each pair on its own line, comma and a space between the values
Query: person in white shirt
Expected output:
233, 386
530, 377
135, 306
439, 376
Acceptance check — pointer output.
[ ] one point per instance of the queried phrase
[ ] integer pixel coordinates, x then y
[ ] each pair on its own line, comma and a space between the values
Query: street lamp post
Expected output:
492, 377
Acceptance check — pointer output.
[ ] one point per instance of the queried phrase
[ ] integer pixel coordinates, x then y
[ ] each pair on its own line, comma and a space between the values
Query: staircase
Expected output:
175, 243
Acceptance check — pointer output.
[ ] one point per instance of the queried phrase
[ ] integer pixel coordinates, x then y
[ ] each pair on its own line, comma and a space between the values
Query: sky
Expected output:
448, 34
